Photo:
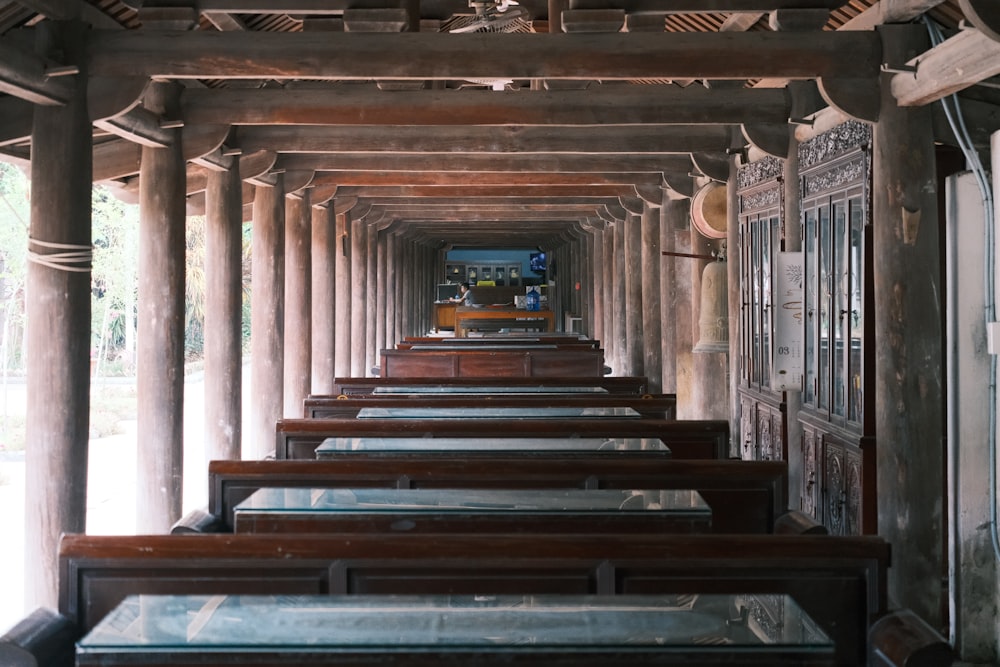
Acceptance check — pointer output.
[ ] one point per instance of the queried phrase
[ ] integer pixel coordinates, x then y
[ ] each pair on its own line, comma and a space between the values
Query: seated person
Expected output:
464, 296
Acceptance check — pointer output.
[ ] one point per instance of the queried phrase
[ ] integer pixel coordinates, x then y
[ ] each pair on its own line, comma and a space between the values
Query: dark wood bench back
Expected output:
614, 384
496, 362
659, 406
687, 439
839, 581
745, 496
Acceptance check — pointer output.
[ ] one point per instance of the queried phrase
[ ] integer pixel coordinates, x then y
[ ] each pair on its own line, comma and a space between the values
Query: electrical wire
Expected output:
953, 112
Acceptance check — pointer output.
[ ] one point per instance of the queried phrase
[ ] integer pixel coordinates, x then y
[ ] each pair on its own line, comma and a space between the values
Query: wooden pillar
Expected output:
405, 303
371, 301
610, 342
382, 292
711, 369
620, 296
267, 317
359, 294
792, 234
223, 314
632, 309
683, 315
160, 369
391, 288
908, 346
342, 342
324, 329
298, 302
596, 262
652, 257
673, 211
58, 314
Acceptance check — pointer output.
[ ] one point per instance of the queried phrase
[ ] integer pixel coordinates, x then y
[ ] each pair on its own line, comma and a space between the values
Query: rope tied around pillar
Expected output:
76, 258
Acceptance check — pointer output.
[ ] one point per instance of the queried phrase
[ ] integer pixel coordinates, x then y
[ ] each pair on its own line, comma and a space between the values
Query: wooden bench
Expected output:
745, 496
348, 386
659, 406
558, 339
687, 439
839, 581
533, 363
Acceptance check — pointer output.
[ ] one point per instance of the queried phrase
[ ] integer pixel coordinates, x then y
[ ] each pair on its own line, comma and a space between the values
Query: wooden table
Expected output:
486, 630
501, 318
599, 512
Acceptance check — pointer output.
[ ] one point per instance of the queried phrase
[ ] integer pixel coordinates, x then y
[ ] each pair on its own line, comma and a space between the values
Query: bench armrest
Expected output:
44, 638
198, 521
795, 522
903, 639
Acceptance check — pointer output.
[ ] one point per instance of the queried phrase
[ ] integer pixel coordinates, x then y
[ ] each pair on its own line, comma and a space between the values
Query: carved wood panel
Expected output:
810, 472
748, 440
833, 488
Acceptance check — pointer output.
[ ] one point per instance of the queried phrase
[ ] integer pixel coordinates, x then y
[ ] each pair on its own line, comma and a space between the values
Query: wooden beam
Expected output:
359, 56
512, 139
957, 63
488, 191
140, 126
15, 120
704, 6
485, 178
890, 11
358, 105
26, 75
448, 162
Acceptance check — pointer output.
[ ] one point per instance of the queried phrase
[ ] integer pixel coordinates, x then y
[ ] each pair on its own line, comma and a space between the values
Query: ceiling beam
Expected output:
704, 6
449, 162
360, 105
365, 56
485, 178
456, 140
30, 77
487, 192
955, 64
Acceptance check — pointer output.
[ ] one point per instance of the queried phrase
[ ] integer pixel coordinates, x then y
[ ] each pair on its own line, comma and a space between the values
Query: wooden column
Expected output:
359, 296
632, 308
391, 288
371, 300
58, 314
405, 303
908, 346
596, 261
267, 317
342, 342
324, 249
298, 302
381, 293
672, 213
651, 319
160, 370
223, 314
620, 296
608, 267
684, 321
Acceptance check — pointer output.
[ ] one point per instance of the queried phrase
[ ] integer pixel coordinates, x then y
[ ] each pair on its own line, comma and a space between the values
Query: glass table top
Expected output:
407, 623
674, 502
331, 446
498, 413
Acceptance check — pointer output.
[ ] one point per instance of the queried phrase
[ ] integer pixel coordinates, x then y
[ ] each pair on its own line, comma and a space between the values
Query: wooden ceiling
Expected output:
478, 138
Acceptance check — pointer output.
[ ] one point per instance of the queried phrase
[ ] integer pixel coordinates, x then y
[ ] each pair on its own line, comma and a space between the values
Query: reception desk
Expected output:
444, 315
491, 318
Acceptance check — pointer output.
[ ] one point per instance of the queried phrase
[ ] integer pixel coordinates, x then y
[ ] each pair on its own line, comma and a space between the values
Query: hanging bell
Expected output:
713, 322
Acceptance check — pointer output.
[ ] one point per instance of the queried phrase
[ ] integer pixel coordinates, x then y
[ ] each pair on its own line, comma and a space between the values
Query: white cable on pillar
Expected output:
77, 258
